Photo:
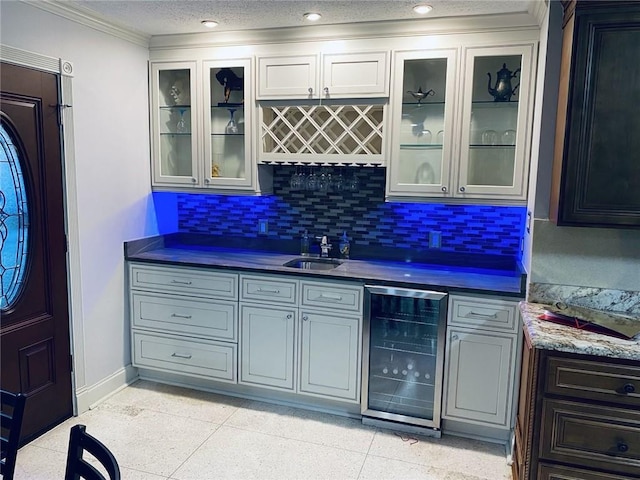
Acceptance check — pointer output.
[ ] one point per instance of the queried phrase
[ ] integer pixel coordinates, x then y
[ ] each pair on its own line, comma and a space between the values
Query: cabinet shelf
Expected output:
228, 106
172, 134
410, 146
175, 107
227, 134
489, 147
492, 104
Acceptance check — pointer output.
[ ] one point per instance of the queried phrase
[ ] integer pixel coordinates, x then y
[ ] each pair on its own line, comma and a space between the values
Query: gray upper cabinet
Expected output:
323, 76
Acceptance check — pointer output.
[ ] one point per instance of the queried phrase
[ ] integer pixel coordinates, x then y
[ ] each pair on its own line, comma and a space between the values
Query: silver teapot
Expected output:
502, 91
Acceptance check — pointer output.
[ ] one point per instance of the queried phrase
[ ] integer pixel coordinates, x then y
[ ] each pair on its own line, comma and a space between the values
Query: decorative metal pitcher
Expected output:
502, 91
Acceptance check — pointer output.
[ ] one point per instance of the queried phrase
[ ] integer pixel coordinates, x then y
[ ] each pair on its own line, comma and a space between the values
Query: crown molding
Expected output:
538, 9
348, 31
89, 19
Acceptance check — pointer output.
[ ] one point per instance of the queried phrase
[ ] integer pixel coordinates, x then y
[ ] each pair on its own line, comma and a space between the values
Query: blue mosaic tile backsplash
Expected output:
362, 213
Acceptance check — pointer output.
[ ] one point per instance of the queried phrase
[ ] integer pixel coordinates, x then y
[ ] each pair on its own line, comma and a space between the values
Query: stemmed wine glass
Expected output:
232, 126
181, 126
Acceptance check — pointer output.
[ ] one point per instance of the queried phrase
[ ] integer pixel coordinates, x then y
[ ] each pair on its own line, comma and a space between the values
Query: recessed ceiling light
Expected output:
312, 17
209, 23
422, 9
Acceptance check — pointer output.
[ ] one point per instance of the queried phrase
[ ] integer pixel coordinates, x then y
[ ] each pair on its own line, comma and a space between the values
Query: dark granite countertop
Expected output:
509, 281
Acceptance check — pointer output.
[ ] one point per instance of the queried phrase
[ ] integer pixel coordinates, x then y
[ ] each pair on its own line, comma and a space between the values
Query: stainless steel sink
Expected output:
307, 263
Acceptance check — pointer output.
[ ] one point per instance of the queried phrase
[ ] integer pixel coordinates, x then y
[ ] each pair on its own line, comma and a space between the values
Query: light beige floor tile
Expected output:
309, 426
35, 463
232, 453
142, 440
378, 468
449, 453
183, 402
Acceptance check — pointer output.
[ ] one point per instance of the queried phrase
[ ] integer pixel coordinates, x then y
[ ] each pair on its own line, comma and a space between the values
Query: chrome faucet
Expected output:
325, 246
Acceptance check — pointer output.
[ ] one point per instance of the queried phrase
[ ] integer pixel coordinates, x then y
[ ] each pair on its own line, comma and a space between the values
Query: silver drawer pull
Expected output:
266, 290
482, 315
181, 283
186, 356
328, 296
177, 315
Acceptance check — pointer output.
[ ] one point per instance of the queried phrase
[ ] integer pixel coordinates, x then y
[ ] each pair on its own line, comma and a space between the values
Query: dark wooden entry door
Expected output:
34, 325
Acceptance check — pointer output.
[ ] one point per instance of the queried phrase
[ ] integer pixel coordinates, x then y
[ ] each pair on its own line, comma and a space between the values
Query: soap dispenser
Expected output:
345, 246
304, 244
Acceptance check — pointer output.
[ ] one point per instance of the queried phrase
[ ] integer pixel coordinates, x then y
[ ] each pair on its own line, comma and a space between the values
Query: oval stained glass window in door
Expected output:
14, 221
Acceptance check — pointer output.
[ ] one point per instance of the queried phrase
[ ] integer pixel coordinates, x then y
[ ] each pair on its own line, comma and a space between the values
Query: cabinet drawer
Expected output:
335, 296
173, 314
591, 436
269, 289
198, 358
604, 381
199, 283
483, 313
558, 472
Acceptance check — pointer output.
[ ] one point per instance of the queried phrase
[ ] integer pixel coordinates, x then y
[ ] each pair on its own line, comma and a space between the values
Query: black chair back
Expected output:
12, 406
10, 424
77, 467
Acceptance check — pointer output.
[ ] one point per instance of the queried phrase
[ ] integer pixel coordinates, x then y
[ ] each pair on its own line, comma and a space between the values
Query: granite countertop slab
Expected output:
552, 336
410, 274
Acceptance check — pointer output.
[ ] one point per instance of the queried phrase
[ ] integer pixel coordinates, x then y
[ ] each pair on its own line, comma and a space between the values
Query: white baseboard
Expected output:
88, 397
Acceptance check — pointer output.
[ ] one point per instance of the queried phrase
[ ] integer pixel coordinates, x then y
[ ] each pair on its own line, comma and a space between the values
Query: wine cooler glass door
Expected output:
405, 355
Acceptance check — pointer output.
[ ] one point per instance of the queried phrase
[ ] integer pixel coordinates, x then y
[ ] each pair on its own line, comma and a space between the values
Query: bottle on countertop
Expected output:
304, 243
345, 246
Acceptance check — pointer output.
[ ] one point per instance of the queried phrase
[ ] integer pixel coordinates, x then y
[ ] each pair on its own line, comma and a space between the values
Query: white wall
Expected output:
111, 128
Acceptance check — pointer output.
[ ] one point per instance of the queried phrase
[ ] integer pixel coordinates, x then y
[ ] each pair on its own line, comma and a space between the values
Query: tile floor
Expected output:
163, 432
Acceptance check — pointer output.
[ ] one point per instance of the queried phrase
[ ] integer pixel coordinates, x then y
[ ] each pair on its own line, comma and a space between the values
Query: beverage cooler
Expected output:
403, 355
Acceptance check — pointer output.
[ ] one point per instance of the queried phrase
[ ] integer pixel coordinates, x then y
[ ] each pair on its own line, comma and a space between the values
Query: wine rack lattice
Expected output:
332, 133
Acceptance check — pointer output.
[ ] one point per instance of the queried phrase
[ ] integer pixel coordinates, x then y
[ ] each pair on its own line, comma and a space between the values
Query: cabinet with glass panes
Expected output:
423, 100
461, 132
200, 126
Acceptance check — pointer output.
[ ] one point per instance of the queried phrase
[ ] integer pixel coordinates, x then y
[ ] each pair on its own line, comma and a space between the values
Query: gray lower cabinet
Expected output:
184, 321
481, 365
330, 354
301, 336
267, 346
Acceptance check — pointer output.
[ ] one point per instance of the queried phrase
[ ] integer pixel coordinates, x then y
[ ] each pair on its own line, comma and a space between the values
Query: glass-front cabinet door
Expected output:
174, 124
495, 134
423, 110
227, 148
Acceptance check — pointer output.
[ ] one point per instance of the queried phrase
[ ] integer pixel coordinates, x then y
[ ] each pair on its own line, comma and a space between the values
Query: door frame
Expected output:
64, 68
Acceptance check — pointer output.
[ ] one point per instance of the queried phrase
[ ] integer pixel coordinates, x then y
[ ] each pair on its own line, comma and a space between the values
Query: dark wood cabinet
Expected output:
578, 418
596, 171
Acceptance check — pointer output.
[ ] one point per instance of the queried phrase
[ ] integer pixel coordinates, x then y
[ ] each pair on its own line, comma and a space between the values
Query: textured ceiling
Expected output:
163, 17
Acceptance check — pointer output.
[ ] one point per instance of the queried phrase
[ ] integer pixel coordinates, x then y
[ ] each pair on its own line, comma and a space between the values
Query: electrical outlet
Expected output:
435, 239
263, 227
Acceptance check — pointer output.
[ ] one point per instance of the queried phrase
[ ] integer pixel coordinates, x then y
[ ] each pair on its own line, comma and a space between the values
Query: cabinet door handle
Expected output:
310, 91
266, 290
186, 356
177, 315
180, 282
444, 189
454, 337
462, 189
329, 296
481, 315
623, 447
628, 388
289, 317
326, 90
305, 318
